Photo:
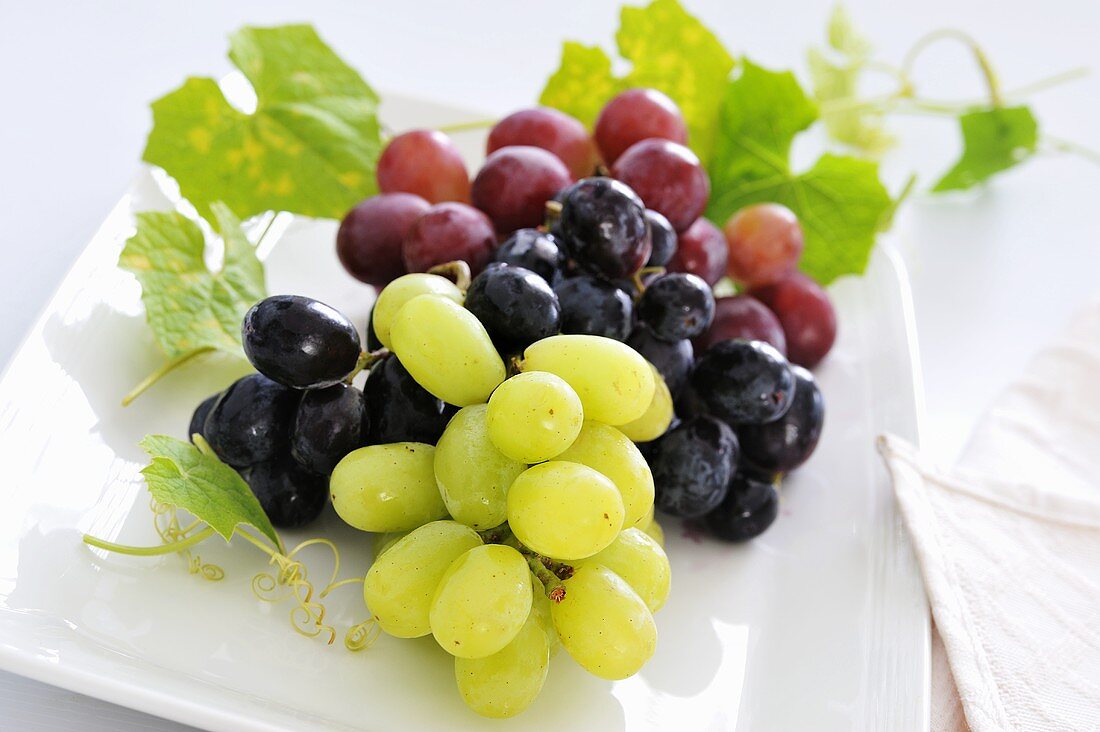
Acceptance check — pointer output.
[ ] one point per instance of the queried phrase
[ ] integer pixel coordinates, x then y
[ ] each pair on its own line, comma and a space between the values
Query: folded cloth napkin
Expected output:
1008, 543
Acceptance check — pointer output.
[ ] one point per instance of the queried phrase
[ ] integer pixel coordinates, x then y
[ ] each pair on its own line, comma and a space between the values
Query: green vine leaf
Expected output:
181, 475
994, 140
309, 148
840, 200
190, 308
669, 49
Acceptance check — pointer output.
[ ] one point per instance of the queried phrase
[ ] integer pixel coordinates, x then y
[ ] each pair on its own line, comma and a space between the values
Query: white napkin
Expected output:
1009, 546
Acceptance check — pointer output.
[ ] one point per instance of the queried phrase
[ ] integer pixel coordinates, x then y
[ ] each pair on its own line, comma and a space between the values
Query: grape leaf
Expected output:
183, 476
672, 51
840, 200
582, 83
844, 37
669, 49
190, 308
309, 148
993, 140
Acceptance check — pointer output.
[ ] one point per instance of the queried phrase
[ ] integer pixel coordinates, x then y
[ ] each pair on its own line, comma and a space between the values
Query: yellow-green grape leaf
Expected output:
856, 125
582, 83
183, 476
189, 307
840, 201
844, 37
310, 147
672, 51
993, 140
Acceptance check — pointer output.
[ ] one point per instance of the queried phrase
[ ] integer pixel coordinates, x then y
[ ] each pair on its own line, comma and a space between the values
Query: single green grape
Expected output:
614, 383
603, 624
472, 474
446, 350
564, 510
505, 683
387, 487
533, 416
482, 601
641, 561
608, 451
401, 583
657, 417
400, 291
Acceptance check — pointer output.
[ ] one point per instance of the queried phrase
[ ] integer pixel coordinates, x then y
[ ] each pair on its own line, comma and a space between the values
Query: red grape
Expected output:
742, 316
806, 314
551, 130
668, 177
515, 183
701, 251
636, 115
424, 162
449, 231
370, 236
765, 242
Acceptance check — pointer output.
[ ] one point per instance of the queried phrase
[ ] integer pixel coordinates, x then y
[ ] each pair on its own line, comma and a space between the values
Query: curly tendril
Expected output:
167, 525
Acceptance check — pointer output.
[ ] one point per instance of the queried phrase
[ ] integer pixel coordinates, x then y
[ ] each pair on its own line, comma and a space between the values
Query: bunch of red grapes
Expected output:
612, 223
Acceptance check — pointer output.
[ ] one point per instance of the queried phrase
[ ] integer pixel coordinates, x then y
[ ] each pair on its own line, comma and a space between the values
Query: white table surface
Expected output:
994, 272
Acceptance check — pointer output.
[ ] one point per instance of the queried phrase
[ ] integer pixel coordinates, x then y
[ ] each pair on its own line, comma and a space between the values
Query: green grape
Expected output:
382, 542
540, 609
603, 624
473, 475
400, 291
402, 581
482, 601
614, 383
447, 350
641, 561
387, 487
610, 452
505, 683
657, 417
564, 510
533, 416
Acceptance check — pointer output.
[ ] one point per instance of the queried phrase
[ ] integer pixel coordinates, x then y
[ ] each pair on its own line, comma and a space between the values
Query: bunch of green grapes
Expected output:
529, 524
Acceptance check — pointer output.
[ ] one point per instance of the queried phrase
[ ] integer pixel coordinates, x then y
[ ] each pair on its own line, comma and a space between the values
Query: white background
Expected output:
994, 272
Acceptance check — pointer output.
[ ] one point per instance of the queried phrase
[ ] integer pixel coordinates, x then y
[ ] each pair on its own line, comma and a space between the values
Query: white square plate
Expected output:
820, 624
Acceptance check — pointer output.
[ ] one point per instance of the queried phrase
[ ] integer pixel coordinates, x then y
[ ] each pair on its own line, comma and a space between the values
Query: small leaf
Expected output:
189, 307
840, 201
843, 35
675, 53
860, 127
182, 476
582, 83
309, 148
993, 140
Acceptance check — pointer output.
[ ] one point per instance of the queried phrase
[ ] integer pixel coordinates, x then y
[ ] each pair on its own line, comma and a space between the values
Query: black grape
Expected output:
198, 418
663, 237
299, 341
399, 409
516, 306
743, 382
605, 229
692, 466
786, 443
290, 495
591, 306
677, 306
538, 251
673, 359
750, 507
250, 422
373, 344
328, 425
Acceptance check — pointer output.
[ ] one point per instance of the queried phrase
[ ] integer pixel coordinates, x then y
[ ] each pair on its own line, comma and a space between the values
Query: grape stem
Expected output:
548, 572
366, 360
150, 551
161, 372
477, 124
457, 272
